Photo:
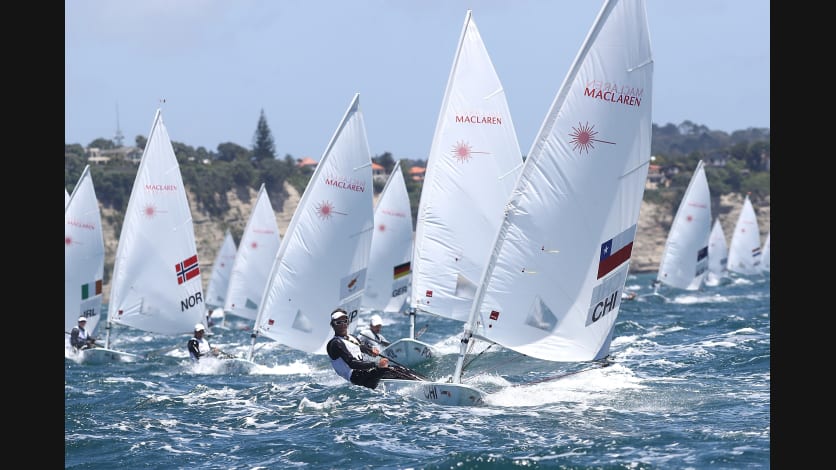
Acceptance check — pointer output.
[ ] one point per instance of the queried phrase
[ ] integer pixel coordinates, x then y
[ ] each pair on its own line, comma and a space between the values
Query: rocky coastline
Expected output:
654, 222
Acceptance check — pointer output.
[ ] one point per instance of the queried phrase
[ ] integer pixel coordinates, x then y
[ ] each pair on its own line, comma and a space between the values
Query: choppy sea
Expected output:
689, 388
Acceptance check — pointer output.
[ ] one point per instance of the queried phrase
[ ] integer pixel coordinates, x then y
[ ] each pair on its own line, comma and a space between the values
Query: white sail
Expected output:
745, 246
84, 256
718, 255
553, 287
473, 163
221, 271
685, 256
256, 252
765, 253
322, 260
389, 272
66, 198
156, 284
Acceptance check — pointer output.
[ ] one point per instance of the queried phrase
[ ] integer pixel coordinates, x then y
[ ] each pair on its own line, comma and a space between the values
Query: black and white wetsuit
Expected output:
372, 339
198, 347
347, 361
79, 339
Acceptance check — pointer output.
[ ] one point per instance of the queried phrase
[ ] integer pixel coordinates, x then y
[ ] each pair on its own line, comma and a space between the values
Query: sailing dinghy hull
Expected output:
436, 392
409, 352
101, 356
225, 365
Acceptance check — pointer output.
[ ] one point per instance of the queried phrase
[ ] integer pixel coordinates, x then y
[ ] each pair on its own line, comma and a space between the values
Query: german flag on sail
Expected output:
90, 289
402, 270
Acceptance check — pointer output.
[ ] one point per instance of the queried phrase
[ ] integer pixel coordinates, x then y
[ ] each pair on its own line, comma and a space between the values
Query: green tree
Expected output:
263, 146
385, 160
101, 143
229, 152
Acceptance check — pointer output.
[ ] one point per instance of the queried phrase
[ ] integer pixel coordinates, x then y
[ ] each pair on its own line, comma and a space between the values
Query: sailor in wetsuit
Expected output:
371, 336
347, 358
199, 346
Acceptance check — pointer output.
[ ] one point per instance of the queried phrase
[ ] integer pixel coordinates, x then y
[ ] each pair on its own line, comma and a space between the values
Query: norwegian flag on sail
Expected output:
187, 269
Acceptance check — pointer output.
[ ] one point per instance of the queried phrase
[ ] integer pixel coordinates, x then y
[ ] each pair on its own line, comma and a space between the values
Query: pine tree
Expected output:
263, 146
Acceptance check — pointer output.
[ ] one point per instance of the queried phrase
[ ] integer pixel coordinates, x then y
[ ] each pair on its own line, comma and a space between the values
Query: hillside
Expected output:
654, 222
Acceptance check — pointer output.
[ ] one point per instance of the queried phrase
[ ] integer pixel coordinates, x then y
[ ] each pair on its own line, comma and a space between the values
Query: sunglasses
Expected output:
341, 321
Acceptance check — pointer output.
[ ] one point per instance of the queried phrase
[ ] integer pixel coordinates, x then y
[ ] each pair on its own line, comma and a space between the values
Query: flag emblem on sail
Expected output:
756, 251
187, 269
402, 270
616, 250
91, 288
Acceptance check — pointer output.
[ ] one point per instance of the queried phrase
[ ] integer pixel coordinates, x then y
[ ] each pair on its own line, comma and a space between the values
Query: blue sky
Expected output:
218, 63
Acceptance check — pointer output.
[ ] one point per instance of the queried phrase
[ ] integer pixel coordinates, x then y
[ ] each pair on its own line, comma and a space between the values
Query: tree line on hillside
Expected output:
210, 175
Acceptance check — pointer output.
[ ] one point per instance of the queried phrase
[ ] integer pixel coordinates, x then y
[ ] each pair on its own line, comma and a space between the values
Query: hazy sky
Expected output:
218, 63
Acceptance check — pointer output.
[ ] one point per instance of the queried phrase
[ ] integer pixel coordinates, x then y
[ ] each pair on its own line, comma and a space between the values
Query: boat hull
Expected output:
409, 352
101, 356
230, 365
436, 392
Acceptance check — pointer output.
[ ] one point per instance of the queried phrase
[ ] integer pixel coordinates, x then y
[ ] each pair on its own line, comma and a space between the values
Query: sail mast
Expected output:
533, 155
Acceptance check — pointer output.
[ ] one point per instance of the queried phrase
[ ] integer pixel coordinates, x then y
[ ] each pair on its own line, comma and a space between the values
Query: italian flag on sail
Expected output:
90, 289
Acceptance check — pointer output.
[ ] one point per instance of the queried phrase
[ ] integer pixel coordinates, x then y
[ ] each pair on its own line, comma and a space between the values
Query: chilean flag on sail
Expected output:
187, 269
616, 251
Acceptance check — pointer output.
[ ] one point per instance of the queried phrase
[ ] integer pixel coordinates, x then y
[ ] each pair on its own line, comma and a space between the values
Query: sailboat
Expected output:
389, 272
552, 287
156, 284
322, 260
745, 246
685, 256
219, 280
718, 255
765, 254
256, 252
84, 256
472, 166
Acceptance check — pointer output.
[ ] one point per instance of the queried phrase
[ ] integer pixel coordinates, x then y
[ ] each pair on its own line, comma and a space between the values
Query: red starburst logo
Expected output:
254, 245
381, 227
325, 210
583, 138
689, 218
68, 241
463, 152
149, 211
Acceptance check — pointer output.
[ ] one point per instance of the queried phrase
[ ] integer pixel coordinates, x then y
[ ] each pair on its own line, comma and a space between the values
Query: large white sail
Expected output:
322, 260
473, 163
156, 284
745, 246
256, 252
84, 256
685, 256
389, 272
221, 271
718, 255
553, 287
765, 251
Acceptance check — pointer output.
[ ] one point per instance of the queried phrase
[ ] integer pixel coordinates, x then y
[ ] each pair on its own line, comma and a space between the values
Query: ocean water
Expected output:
689, 387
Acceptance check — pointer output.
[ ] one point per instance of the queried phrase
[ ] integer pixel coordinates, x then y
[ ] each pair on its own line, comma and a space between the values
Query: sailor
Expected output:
79, 337
347, 358
199, 346
371, 336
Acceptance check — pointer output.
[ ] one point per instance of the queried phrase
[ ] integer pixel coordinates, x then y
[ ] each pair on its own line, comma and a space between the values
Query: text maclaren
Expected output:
614, 93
